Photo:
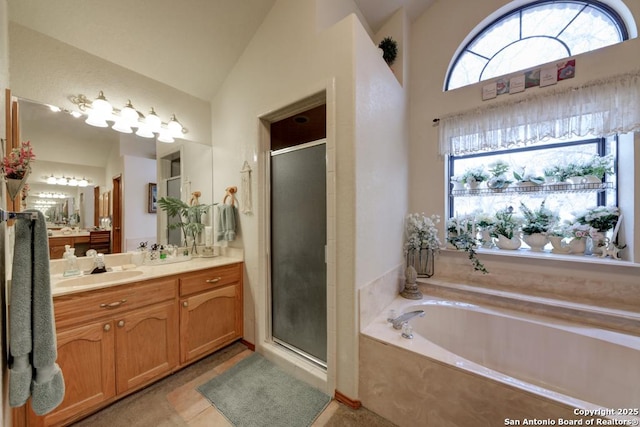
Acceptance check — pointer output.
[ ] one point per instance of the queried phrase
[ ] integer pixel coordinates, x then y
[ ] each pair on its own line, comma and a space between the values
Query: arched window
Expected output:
540, 32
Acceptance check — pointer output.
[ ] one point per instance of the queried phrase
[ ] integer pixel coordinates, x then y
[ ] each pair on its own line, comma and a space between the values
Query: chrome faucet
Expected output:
403, 318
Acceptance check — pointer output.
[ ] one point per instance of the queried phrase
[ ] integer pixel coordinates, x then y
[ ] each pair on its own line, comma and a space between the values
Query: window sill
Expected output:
548, 256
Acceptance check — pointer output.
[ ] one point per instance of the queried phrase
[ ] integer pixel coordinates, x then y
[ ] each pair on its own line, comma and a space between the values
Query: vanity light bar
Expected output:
72, 182
100, 111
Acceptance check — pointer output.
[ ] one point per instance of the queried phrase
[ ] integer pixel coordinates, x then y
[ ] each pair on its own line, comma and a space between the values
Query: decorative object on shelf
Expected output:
389, 50
537, 224
152, 198
462, 236
601, 219
457, 183
245, 188
411, 290
611, 249
189, 219
506, 229
472, 177
559, 245
421, 243
526, 179
512, 243
485, 222
16, 167
498, 180
578, 245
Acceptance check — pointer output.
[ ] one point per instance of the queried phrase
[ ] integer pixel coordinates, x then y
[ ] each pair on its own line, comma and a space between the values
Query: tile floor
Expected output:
175, 401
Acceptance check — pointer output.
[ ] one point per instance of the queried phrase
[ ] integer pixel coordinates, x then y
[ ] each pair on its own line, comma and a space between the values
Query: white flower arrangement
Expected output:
421, 232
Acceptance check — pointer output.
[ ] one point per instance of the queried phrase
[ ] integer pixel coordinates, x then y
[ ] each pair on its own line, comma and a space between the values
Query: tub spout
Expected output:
398, 321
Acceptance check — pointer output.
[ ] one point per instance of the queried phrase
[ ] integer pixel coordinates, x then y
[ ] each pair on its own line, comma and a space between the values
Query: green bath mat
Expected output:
256, 393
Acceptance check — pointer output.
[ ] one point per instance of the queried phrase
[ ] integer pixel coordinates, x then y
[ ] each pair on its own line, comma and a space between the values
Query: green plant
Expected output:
506, 224
468, 243
498, 168
475, 174
389, 50
601, 218
526, 177
189, 217
599, 166
540, 220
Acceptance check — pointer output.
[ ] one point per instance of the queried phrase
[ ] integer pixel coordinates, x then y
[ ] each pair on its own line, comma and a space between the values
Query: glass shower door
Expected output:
298, 243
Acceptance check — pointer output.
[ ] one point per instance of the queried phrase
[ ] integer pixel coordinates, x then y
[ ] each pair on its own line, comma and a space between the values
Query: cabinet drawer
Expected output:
73, 308
209, 279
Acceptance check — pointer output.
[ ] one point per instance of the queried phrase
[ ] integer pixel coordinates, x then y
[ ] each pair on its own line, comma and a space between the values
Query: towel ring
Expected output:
230, 193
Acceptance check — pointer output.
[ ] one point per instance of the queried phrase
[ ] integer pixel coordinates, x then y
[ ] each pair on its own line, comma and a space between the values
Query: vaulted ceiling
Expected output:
165, 39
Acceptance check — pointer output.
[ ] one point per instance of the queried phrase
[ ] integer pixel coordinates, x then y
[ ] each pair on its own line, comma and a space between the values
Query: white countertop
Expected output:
145, 272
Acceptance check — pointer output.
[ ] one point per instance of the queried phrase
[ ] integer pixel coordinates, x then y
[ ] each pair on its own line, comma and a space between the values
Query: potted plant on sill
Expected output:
524, 179
461, 235
506, 229
536, 224
389, 49
498, 180
601, 219
472, 177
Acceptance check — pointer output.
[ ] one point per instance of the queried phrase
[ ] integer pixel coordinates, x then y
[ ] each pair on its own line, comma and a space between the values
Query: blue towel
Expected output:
226, 223
32, 333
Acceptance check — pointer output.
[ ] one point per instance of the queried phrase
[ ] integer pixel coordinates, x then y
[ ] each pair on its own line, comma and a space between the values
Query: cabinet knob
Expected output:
216, 280
121, 323
107, 327
185, 304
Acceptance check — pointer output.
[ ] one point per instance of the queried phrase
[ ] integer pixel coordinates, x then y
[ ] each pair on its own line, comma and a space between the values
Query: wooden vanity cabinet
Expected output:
210, 311
112, 341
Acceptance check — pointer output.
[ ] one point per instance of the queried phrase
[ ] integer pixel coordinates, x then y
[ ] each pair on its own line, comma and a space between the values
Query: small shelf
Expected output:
545, 188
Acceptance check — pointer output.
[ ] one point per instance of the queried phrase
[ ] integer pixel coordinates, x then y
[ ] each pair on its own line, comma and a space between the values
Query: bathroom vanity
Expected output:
124, 330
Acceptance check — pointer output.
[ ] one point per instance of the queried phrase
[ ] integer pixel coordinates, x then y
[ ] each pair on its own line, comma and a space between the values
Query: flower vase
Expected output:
559, 246
578, 245
536, 241
422, 261
598, 242
485, 238
503, 242
15, 185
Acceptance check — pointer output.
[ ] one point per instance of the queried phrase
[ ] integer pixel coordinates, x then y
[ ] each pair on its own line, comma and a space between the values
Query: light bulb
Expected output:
165, 136
122, 125
153, 121
144, 131
129, 114
73, 181
174, 127
83, 182
61, 181
51, 180
97, 120
101, 105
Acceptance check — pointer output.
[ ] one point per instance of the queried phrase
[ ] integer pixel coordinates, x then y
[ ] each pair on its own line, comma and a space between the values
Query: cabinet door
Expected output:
86, 357
146, 343
210, 320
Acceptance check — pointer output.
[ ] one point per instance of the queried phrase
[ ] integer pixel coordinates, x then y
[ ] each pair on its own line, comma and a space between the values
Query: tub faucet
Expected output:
398, 321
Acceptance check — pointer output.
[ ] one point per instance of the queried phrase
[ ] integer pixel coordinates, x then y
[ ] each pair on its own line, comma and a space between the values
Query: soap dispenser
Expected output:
71, 269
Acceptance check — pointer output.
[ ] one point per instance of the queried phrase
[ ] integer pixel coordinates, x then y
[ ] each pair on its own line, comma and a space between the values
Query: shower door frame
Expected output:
280, 342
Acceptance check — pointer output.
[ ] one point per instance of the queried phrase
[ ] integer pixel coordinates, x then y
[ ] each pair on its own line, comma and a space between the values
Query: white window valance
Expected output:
598, 108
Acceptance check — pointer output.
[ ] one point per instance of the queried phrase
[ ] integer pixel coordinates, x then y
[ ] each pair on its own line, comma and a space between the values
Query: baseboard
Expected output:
353, 404
249, 345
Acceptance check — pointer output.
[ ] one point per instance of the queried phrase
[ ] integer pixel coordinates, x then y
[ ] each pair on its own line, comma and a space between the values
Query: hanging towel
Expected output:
32, 338
226, 223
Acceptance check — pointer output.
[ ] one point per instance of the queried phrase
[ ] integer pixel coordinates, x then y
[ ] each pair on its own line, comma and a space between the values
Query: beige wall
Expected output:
289, 60
434, 40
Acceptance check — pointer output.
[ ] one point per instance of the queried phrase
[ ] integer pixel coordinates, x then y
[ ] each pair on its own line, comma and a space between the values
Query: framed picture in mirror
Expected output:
153, 197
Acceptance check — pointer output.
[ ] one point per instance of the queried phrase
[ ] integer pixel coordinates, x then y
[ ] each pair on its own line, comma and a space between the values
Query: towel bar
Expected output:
6, 215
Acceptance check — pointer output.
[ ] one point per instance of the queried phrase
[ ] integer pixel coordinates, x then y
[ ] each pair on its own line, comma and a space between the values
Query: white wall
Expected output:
138, 224
289, 60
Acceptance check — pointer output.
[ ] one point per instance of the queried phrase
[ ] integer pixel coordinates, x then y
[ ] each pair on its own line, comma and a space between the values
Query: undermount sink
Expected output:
92, 279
